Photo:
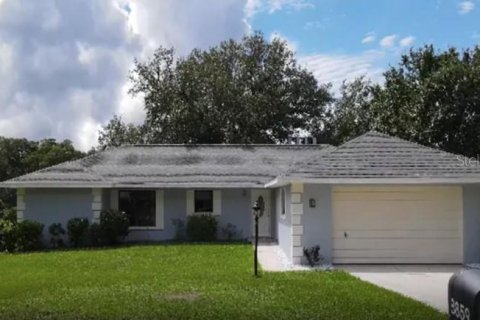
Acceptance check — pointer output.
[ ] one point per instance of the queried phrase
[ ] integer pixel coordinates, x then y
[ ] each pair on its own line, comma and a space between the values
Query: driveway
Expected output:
425, 283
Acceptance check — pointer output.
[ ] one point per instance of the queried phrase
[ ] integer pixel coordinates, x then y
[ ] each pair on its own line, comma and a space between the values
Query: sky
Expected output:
64, 63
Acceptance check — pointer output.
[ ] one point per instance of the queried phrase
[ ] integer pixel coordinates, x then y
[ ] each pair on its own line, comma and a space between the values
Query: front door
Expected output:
265, 222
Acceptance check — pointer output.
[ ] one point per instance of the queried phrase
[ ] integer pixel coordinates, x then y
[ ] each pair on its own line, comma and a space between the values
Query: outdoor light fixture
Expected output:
313, 203
258, 208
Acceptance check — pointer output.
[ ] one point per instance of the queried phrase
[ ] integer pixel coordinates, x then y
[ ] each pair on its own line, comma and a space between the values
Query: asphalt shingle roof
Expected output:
371, 156
377, 155
178, 166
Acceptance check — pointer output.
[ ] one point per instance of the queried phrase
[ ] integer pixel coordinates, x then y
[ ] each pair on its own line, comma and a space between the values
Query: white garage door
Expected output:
397, 225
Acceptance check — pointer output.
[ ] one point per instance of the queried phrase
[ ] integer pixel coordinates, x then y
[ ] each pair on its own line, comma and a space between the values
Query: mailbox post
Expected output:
464, 295
257, 213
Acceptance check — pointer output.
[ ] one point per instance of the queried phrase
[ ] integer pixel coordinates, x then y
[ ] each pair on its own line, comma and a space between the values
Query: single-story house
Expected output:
374, 199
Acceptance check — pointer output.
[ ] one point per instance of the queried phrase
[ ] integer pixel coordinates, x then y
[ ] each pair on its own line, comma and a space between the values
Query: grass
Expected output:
185, 282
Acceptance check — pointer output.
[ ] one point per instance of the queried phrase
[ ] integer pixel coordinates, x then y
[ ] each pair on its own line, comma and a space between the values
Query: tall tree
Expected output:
430, 97
352, 114
434, 98
49, 152
117, 133
12, 155
21, 156
251, 91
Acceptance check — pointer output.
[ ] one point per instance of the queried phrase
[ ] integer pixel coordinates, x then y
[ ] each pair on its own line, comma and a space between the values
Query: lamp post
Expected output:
257, 213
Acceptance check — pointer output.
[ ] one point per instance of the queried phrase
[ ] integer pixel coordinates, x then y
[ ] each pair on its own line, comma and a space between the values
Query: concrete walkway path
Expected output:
426, 283
272, 258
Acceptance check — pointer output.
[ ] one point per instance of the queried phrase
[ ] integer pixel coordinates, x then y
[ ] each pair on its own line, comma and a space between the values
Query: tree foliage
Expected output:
251, 91
430, 97
117, 133
21, 156
352, 114
49, 152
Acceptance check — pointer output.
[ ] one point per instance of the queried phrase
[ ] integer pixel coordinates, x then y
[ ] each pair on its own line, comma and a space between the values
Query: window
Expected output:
282, 200
139, 205
203, 201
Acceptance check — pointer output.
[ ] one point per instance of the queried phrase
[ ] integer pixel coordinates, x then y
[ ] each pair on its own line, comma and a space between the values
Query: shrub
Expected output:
179, 226
94, 235
8, 235
202, 228
9, 214
29, 235
77, 231
312, 254
56, 235
230, 232
114, 226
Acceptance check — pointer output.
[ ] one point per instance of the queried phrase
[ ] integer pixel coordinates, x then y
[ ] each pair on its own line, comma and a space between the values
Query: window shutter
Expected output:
217, 202
159, 211
190, 202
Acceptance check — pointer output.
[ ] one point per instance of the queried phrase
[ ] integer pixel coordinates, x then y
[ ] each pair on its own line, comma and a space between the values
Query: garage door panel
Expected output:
393, 260
397, 224
397, 234
377, 255
438, 244
424, 208
366, 222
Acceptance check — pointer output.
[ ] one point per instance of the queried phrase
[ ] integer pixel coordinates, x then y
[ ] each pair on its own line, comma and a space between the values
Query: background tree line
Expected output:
21, 156
254, 91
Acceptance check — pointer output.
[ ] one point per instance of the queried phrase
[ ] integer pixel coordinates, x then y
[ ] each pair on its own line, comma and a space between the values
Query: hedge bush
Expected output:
114, 226
29, 235
202, 227
94, 235
78, 231
56, 235
8, 235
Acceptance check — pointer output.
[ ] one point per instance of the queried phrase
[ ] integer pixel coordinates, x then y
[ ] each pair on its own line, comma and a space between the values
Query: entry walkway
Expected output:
272, 258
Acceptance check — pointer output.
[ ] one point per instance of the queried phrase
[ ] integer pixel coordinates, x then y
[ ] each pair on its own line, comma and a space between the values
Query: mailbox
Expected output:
464, 295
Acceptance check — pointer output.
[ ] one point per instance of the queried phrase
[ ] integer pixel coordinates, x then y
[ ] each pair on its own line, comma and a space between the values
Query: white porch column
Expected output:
20, 204
96, 204
296, 209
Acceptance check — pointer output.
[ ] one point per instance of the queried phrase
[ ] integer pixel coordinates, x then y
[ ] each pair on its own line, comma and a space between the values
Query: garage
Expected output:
397, 224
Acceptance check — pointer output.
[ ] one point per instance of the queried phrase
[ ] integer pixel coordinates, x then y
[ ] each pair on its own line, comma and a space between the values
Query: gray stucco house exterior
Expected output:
374, 199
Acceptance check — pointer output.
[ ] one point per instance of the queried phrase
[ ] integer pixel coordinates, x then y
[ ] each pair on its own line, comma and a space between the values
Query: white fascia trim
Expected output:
16, 185
282, 182
277, 182
211, 186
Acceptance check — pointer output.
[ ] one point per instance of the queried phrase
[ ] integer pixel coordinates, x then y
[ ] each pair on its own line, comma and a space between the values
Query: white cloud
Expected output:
407, 41
369, 38
252, 7
388, 41
276, 5
466, 7
334, 69
64, 65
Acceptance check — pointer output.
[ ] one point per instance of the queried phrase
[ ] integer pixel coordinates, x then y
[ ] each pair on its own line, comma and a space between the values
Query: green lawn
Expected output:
184, 282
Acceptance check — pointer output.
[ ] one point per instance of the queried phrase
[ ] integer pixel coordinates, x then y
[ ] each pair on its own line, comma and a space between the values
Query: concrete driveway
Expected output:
426, 283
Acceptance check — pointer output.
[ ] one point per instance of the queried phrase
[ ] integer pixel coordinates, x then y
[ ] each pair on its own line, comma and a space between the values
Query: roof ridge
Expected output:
437, 149
392, 137
221, 145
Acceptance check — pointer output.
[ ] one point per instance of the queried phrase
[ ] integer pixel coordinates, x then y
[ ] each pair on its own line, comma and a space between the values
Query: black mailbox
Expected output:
464, 295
